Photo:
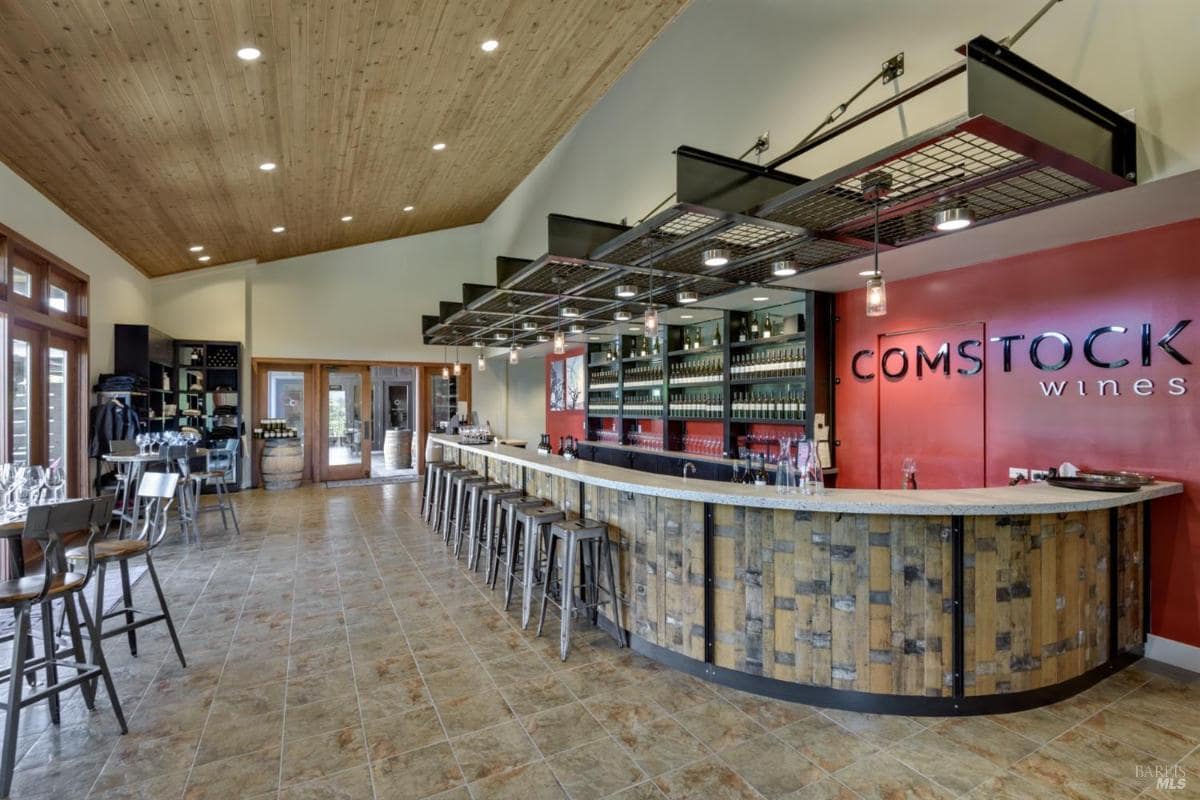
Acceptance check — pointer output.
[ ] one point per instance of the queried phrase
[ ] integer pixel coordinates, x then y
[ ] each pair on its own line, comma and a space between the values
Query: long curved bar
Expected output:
914, 602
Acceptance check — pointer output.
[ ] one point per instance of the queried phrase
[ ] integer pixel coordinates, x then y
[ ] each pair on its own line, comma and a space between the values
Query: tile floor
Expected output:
335, 651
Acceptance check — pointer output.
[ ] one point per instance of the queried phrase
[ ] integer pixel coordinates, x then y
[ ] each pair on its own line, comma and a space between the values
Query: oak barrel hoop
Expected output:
397, 449
282, 464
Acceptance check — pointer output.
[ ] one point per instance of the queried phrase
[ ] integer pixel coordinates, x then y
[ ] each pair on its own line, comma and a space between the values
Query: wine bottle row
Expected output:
643, 407
604, 409
603, 378
693, 339
760, 405
705, 371
643, 376
754, 329
781, 363
643, 347
705, 406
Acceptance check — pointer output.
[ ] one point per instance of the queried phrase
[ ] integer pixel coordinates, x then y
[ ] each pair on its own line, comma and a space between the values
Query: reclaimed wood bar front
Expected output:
916, 602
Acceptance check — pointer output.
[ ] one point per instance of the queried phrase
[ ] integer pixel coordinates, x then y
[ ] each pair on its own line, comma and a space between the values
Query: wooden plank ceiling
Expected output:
138, 119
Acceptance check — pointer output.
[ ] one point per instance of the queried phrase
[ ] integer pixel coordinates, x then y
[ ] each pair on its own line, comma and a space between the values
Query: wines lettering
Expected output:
1051, 351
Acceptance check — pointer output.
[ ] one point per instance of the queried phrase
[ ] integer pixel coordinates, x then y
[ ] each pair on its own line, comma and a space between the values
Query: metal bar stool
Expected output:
471, 517
429, 495
46, 525
453, 498
534, 523
155, 493
506, 533
459, 506
444, 494
490, 500
126, 473
594, 536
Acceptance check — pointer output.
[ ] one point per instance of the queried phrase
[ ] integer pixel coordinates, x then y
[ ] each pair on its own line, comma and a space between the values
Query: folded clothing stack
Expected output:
108, 382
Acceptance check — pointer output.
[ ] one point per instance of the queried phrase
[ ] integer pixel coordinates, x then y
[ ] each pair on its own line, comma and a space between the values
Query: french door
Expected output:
45, 424
345, 422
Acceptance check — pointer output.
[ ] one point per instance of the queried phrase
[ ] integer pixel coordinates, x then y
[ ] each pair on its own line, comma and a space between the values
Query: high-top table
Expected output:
927, 602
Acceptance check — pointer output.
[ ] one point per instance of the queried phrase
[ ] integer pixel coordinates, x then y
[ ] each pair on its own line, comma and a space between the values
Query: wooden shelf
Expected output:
774, 340
712, 348
764, 381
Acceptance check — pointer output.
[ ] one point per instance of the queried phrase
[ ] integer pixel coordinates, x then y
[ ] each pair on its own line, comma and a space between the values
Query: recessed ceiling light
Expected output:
278, 229
347, 218
408, 208
440, 146
267, 166
760, 299
196, 248
687, 316
204, 258
717, 257
489, 45
249, 53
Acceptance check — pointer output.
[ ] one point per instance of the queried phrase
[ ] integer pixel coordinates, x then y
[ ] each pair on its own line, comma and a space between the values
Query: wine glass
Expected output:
140, 440
6, 486
56, 484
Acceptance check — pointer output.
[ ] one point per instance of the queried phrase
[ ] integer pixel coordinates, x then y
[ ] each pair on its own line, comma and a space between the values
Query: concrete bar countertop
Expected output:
1036, 498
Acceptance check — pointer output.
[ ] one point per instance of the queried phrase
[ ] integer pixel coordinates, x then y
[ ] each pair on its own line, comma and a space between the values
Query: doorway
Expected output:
393, 392
345, 448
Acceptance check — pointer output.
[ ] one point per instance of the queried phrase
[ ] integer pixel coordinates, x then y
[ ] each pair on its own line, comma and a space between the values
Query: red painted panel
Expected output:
932, 415
562, 423
1145, 277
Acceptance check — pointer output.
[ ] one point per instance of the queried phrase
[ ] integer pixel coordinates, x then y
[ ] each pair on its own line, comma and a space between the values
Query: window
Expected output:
22, 282
60, 299
22, 409
58, 408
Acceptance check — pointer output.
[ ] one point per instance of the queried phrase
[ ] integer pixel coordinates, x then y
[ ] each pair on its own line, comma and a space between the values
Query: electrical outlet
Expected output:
1040, 474
1015, 473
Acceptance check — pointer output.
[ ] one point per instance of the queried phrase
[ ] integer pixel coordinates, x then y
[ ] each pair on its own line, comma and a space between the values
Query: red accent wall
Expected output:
563, 423
1146, 277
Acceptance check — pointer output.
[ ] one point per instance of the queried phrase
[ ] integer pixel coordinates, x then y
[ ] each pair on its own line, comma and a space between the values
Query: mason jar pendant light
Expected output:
560, 338
445, 366
513, 358
875, 187
457, 363
650, 321
481, 363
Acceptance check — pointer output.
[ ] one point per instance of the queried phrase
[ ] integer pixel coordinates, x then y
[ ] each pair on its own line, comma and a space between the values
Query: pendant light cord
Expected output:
876, 229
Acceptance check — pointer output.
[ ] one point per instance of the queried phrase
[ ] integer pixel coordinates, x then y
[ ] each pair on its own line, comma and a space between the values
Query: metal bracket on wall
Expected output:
893, 68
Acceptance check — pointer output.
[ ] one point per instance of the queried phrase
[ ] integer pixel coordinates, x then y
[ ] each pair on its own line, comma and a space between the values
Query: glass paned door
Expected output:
58, 408
20, 400
346, 417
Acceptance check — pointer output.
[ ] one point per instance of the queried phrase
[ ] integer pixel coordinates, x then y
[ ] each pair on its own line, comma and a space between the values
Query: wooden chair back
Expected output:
47, 524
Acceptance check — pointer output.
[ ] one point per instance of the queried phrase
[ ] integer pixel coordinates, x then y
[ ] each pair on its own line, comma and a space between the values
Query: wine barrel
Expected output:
282, 463
397, 449
433, 450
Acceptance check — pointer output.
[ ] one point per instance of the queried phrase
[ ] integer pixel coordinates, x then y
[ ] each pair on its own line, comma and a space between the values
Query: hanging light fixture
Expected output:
529, 325
716, 257
513, 358
686, 298
457, 363
560, 338
953, 218
541, 337
626, 291
784, 268
499, 336
622, 316
875, 188
650, 320
445, 366
481, 363
576, 327
570, 312
477, 344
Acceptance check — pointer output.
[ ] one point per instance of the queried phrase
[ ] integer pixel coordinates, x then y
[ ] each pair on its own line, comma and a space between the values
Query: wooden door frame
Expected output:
421, 415
366, 411
258, 371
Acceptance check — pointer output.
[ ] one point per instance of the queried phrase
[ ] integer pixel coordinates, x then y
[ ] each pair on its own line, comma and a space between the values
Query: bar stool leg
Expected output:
72, 618
162, 603
568, 596
8, 756
607, 556
48, 649
529, 572
510, 557
550, 569
127, 598
220, 500
94, 634
223, 493
99, 661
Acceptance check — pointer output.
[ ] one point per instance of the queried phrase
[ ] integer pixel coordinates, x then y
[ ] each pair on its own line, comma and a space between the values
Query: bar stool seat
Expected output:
594, 536
445, 492
435, 490
473, 518
534, 522
504, 528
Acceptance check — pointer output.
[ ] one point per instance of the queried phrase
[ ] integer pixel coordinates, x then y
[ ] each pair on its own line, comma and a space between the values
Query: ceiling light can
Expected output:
489, 46
716, 257
529, 325
954, 218
249, 53
570, 311
686, 298
627, 290
622, 316
784, 268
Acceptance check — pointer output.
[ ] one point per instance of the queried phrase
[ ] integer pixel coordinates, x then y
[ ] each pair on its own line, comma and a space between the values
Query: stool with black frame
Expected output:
46, 525
155, 494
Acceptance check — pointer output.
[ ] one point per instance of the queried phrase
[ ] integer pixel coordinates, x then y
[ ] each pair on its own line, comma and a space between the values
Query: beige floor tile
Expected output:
528, 782
710, 779
462, 715
244, 776
881, 777
562, 728
322, 755
595, 770
412, 730
825, 743
417, 773
493, 751
353, 784
719, 725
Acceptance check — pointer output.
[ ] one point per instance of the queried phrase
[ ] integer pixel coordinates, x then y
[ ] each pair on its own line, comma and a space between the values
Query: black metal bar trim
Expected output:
1114, 603
710, 601
1145, 570
958, 567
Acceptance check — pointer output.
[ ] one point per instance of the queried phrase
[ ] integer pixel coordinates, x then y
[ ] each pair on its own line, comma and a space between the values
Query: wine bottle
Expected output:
716, 337
754, 326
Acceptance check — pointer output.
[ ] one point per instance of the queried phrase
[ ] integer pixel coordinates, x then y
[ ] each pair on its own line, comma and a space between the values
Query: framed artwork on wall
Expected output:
558, 387
574, 390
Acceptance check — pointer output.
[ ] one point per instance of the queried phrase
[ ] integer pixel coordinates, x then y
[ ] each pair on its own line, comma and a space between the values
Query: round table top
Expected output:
147, 458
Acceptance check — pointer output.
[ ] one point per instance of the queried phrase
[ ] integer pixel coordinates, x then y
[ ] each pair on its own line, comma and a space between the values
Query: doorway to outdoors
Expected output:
357, 421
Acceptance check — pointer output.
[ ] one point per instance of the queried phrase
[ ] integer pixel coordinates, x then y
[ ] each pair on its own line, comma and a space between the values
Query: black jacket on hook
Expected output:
112, 421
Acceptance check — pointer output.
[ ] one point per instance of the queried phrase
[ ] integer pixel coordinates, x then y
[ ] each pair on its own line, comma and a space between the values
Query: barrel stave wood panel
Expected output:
1130, 634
